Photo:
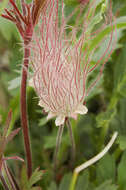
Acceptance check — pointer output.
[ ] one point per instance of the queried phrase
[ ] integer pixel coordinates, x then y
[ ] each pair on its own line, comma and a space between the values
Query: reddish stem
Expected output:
24, 119
26, 33
5, 185
17, 11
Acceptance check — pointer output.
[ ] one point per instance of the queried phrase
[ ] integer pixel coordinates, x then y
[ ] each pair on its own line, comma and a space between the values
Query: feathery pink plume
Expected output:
61, 60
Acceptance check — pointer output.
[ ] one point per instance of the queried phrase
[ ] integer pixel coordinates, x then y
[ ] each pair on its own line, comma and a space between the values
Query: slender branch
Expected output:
91, 161
72, 142
58, 142
3, 182
24, 119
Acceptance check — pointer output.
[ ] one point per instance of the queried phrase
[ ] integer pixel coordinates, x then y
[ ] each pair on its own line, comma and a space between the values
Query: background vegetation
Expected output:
107, 113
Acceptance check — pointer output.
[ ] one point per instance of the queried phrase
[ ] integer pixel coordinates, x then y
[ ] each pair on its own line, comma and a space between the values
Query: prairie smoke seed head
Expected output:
62, 61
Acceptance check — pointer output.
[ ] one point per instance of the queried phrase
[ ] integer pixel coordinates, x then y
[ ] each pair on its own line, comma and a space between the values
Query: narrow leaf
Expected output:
36, 176
12, 135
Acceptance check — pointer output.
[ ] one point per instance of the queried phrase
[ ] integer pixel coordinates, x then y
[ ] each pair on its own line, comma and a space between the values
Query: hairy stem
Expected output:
58, 142
5, 186
72, 142
11, 179
24, 119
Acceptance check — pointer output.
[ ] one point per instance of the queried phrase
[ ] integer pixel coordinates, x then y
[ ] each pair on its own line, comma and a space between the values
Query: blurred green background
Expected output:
107, 113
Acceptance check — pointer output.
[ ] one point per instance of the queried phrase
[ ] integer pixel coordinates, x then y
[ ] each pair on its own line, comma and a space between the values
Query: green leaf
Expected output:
120, 24
43, 121
121, 116
15, 106
8, 29
3, 4
52, 186
107, 185
28, 183
122, 172
122, 142
120, 73
106, 169
105, 43
97, 2
98, 17
24, 178
104, 118
65, 183
83, 181
71, 2
49, 142
14, 83
36, 188
119, 87
36, 176
75, 2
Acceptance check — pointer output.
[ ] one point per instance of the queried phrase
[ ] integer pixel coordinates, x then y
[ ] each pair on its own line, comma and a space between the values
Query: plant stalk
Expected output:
11, 179
74, 180
93, 160
3, 182
58, 142
72, 142
24, 118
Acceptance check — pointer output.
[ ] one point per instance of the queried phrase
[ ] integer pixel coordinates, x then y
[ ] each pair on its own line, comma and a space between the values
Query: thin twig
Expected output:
72, 142
58, 142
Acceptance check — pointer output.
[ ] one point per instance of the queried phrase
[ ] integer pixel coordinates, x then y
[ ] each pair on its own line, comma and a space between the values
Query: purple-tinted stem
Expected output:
13, 178
9, 177
3, 182
24, 118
